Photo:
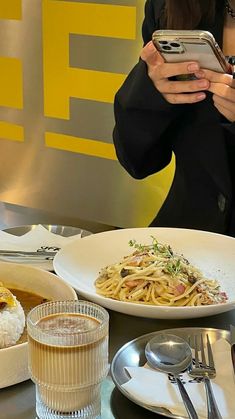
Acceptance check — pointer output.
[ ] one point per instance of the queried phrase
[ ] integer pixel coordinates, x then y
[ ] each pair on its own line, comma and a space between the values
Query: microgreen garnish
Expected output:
133, 243
173, 267
155, 247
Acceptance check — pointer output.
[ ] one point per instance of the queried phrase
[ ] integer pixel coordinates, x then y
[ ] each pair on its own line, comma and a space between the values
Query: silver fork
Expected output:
205, 370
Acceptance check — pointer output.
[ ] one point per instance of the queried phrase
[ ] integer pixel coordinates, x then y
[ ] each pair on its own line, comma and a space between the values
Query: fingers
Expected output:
150, 55
178, 98
153, 58
222, 90
175, 92
215, 77
174, 69
166, 86
219, 101
225, 107
226, 112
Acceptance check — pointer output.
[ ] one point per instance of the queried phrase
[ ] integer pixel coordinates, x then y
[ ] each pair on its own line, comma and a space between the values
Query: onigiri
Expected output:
12, 318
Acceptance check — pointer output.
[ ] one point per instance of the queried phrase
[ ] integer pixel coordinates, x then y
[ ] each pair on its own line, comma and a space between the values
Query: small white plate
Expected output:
50, 234
79, 264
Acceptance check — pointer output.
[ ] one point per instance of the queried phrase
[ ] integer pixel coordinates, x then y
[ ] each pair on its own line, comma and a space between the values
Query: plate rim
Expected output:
62, 226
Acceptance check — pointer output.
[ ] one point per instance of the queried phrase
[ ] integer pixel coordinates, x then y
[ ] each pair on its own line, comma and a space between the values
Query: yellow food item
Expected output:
6, 297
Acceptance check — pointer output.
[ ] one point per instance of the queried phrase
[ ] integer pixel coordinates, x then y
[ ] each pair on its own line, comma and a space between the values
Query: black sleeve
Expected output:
231, 129
143, 118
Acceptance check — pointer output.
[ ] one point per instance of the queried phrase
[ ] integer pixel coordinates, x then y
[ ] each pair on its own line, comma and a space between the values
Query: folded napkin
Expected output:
34, 240
159, 389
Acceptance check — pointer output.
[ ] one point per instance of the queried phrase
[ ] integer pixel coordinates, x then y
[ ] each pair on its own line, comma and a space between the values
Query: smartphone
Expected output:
191, 45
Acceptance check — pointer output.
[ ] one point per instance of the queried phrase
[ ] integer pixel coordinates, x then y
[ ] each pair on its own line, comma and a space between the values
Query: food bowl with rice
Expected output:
22, 287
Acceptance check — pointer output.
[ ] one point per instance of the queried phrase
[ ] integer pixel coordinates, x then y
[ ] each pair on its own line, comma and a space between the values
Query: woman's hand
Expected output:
223, 88
175, 92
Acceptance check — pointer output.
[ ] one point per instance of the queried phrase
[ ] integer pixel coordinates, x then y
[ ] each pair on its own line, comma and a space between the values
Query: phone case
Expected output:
196, 45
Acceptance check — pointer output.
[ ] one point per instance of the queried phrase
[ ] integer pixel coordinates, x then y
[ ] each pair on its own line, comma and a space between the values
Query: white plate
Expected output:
14, 360
79, 264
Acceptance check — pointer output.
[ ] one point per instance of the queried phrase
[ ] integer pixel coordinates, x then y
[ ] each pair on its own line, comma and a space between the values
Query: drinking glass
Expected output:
68, 358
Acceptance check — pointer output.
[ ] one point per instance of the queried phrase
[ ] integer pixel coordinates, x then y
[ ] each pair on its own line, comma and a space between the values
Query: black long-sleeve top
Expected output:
148, 130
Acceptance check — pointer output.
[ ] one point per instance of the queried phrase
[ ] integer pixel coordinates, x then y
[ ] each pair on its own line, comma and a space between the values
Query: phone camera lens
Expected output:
163, 42
175, 44
166, 47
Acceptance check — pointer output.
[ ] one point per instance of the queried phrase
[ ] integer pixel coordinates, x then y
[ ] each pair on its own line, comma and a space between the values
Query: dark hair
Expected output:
188, 14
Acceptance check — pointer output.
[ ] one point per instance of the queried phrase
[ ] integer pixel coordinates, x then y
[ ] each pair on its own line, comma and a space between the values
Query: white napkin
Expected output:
32, 241
156, 389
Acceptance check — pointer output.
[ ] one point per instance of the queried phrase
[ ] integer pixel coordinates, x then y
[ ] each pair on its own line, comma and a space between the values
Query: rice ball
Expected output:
12, 323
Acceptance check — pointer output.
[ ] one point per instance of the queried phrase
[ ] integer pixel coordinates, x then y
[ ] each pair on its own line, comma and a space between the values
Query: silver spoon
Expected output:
171, 354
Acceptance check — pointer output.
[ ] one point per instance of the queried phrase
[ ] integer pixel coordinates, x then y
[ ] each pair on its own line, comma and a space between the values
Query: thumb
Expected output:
150, 54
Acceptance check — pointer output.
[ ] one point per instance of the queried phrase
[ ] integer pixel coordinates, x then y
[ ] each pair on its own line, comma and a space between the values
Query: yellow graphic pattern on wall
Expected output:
11, 76
37, 98
11, 9
61, 82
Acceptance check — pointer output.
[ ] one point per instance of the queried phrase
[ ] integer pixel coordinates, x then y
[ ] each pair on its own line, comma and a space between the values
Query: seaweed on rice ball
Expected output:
12, 318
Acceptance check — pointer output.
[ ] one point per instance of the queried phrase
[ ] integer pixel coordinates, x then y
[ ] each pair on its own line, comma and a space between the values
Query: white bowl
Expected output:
14, 360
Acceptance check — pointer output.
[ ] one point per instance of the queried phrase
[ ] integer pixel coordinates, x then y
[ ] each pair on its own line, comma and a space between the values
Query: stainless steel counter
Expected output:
18, 402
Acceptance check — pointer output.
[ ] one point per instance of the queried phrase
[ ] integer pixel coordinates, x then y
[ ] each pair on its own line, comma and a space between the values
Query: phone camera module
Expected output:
170, 47
166, 48
175, 45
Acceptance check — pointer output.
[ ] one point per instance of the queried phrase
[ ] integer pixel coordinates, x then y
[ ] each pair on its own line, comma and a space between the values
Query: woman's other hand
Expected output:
223, 88
175, 92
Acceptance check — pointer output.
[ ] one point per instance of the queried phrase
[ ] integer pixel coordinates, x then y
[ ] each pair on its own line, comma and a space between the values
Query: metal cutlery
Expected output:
40, 254
171, 354
232, 341
205, 368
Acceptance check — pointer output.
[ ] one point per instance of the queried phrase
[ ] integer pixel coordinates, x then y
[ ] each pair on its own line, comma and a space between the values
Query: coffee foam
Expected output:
66, 324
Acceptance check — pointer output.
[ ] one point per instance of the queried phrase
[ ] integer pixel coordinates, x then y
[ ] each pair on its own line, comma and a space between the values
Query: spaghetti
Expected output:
153, 274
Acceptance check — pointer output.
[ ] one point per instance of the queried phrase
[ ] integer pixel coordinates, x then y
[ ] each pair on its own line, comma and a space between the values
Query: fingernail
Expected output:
193, 67
202, 83
200, 74
151, 47
201, 96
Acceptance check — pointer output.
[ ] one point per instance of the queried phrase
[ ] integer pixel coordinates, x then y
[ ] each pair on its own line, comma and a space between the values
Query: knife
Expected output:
42, 254
232, 341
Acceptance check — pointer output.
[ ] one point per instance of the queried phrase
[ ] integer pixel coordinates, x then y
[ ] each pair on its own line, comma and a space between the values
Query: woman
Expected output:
194, 119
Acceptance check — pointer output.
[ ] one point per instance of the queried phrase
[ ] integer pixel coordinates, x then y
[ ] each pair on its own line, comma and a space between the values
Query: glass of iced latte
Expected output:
68, 358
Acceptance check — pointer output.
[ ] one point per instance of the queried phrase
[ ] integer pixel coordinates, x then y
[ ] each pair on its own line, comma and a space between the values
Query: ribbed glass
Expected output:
68, 357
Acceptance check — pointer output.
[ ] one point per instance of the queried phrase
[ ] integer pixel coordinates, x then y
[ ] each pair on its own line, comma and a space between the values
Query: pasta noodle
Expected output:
154, 274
